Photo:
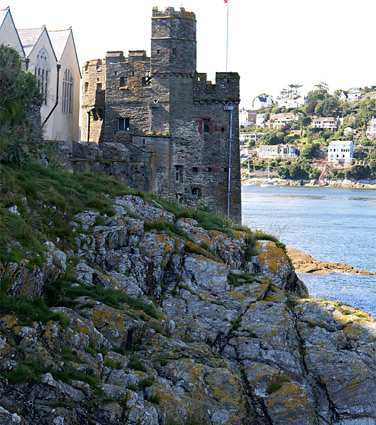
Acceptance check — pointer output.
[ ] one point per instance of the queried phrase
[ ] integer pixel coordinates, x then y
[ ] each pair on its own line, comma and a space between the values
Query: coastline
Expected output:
305, 263
275, 181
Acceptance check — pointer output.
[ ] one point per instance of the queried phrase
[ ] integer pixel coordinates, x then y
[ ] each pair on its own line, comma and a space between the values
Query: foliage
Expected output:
329, 107
29, 310
19, 92
136, 364
276, 383
64, 293
16, 152
274, 137
310, 151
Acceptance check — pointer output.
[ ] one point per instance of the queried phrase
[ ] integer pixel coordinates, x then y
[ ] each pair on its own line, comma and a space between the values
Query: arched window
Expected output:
42, 72
67, 103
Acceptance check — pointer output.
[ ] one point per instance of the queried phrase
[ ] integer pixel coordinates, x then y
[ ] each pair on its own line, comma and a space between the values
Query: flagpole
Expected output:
228, 3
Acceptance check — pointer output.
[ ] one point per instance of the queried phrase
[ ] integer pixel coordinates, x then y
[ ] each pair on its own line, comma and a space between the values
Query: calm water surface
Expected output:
331, 224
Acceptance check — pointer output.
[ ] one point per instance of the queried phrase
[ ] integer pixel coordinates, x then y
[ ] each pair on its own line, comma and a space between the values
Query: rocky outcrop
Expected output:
197, 332
305, 263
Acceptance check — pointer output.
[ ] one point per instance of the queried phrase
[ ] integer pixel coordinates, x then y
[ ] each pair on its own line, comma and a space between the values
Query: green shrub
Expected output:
29, 310
276, 383
136, 364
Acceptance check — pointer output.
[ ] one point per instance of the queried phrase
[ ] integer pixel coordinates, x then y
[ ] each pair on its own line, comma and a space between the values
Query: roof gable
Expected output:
4, 13
29, 38
59, 39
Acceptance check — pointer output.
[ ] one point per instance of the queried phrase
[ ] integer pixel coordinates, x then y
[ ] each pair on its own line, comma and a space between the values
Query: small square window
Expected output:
99, 86
194, 170
195, 192
123, 124
122, 81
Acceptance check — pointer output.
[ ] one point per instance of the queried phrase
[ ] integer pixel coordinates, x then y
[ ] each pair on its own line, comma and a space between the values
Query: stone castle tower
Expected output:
160, 106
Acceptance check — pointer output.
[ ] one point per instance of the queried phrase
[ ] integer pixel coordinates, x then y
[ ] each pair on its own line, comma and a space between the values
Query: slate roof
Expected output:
59, 40
29, 37
3, 14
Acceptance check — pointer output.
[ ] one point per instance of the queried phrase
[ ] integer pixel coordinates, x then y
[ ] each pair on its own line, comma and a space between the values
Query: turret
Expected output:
173, 42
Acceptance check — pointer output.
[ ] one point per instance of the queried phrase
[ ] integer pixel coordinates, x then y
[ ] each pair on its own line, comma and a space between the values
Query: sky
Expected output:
272, 43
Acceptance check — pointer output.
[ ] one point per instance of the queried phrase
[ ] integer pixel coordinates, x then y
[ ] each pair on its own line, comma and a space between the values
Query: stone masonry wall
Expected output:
162, 106
93, 100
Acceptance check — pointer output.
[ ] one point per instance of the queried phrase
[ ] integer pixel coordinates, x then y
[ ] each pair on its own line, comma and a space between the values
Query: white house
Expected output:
371, 130
340, 151
262, 102
292, 102
246, 117
353, 95
250, 136
52, 57
328, 123
277, 151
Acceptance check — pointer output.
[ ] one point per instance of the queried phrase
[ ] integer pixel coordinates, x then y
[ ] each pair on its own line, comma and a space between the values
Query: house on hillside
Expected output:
260, 120
371, 128
281, 120
246, 117
325, 123
262, 102
340, 151
292, 102
277, 151
250, 136
352, 95
51, 56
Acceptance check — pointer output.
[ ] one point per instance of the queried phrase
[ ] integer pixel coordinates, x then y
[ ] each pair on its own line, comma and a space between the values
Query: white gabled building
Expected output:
247, 118
8, 33
292, 102
262, 102
353, 95
371, 130
340, 151
51, 56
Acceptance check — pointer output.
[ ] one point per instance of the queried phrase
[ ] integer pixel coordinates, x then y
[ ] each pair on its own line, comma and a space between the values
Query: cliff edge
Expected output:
133, 314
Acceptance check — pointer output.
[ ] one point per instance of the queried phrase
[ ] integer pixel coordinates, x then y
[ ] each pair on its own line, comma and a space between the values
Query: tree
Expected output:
303, 122
322, 86
20, 102
328, 107
274, 137
19, 92
310, 151
310, 108
299, 170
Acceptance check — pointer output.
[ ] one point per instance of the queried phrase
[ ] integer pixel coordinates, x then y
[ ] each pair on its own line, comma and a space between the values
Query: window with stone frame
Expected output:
178, 173
123, 124
67, 96
206, 125
43, 72
195, 192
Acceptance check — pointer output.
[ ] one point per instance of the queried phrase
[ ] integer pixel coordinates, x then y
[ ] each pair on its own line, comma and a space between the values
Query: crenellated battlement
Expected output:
170, 12
225, 89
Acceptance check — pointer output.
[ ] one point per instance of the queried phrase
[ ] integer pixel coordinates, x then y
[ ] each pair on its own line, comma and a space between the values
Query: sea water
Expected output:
331, 224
